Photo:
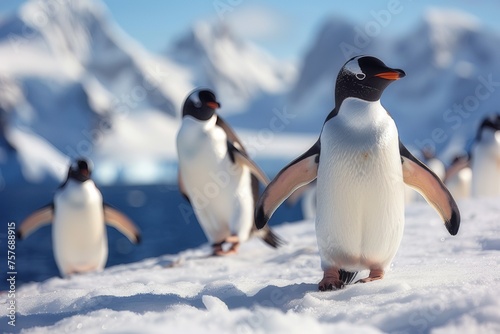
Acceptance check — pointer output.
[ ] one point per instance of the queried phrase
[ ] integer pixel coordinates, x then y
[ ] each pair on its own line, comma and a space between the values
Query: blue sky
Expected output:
284, 28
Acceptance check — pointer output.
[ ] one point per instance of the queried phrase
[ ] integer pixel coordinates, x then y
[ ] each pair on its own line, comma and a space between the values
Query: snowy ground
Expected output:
438, 284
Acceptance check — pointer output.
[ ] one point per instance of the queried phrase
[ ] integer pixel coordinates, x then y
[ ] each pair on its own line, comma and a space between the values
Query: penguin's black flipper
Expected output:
269, 237
296, 174
122, 223
37, 219
237, 151
421, 178
230, 134
240, 157
266, 234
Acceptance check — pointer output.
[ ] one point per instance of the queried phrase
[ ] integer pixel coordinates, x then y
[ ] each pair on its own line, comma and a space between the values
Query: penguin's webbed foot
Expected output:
331, 280
375, 275
220, 250
326, 285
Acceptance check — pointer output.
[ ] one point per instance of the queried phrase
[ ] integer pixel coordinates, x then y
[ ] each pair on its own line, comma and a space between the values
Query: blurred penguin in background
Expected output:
436, 165
428, 157
79, 217
486, 159
458, 176
307, 197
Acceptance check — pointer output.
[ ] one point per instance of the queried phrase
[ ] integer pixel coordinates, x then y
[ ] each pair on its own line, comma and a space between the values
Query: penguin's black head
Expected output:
364, 77
80, 170
460, 158
428, 153
491, 123
200, 104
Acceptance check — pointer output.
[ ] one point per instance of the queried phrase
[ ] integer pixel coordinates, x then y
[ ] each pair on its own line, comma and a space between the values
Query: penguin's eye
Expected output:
360, 76
197, 104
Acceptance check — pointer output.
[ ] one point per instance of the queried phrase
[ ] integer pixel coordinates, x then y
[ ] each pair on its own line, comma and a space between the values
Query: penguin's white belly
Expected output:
79, 232
360, 204
219, 190
486, 167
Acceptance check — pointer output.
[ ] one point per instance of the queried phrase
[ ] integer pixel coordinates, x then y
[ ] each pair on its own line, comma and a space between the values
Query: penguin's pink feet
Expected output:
375, 274
331, 280
233, 249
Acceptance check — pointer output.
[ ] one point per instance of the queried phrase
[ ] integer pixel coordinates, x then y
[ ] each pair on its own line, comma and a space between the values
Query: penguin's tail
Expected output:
346, 276
269, 237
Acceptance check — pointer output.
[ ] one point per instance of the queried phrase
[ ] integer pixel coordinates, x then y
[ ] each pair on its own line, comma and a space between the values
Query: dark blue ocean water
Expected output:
166, 220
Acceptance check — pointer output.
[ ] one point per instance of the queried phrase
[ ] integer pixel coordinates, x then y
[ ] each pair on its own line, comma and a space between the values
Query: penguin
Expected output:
433, 162
307, 197
435, 165
458, 177
308, 203
217, 176
78, 216
486, 159
361, 167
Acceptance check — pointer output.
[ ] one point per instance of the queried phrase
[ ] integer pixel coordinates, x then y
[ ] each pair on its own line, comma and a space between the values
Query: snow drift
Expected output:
437, 284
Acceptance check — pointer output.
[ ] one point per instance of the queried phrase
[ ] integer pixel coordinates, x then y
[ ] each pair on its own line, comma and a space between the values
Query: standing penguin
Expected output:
217, 176
486, 159
78, 214
361, 167
434, 164
458, 177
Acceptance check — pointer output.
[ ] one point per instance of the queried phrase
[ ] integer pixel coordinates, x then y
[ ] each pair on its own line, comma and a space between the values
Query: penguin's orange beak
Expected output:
213, 105
391, 75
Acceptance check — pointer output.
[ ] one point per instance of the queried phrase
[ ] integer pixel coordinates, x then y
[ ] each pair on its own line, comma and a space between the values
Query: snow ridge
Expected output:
437, 284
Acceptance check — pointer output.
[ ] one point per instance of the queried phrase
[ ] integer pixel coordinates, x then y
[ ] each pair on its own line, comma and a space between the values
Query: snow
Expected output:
77, 72
38, 158
437, 284
237, 70
446, 30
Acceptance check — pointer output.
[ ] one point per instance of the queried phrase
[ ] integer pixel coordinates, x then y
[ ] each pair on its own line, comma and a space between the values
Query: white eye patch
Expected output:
195, 99
353, 67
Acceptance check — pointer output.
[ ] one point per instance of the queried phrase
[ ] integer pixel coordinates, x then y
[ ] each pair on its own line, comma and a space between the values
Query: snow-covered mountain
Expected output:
80, 87
453, 78
451, 83
238, 71
72, 83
